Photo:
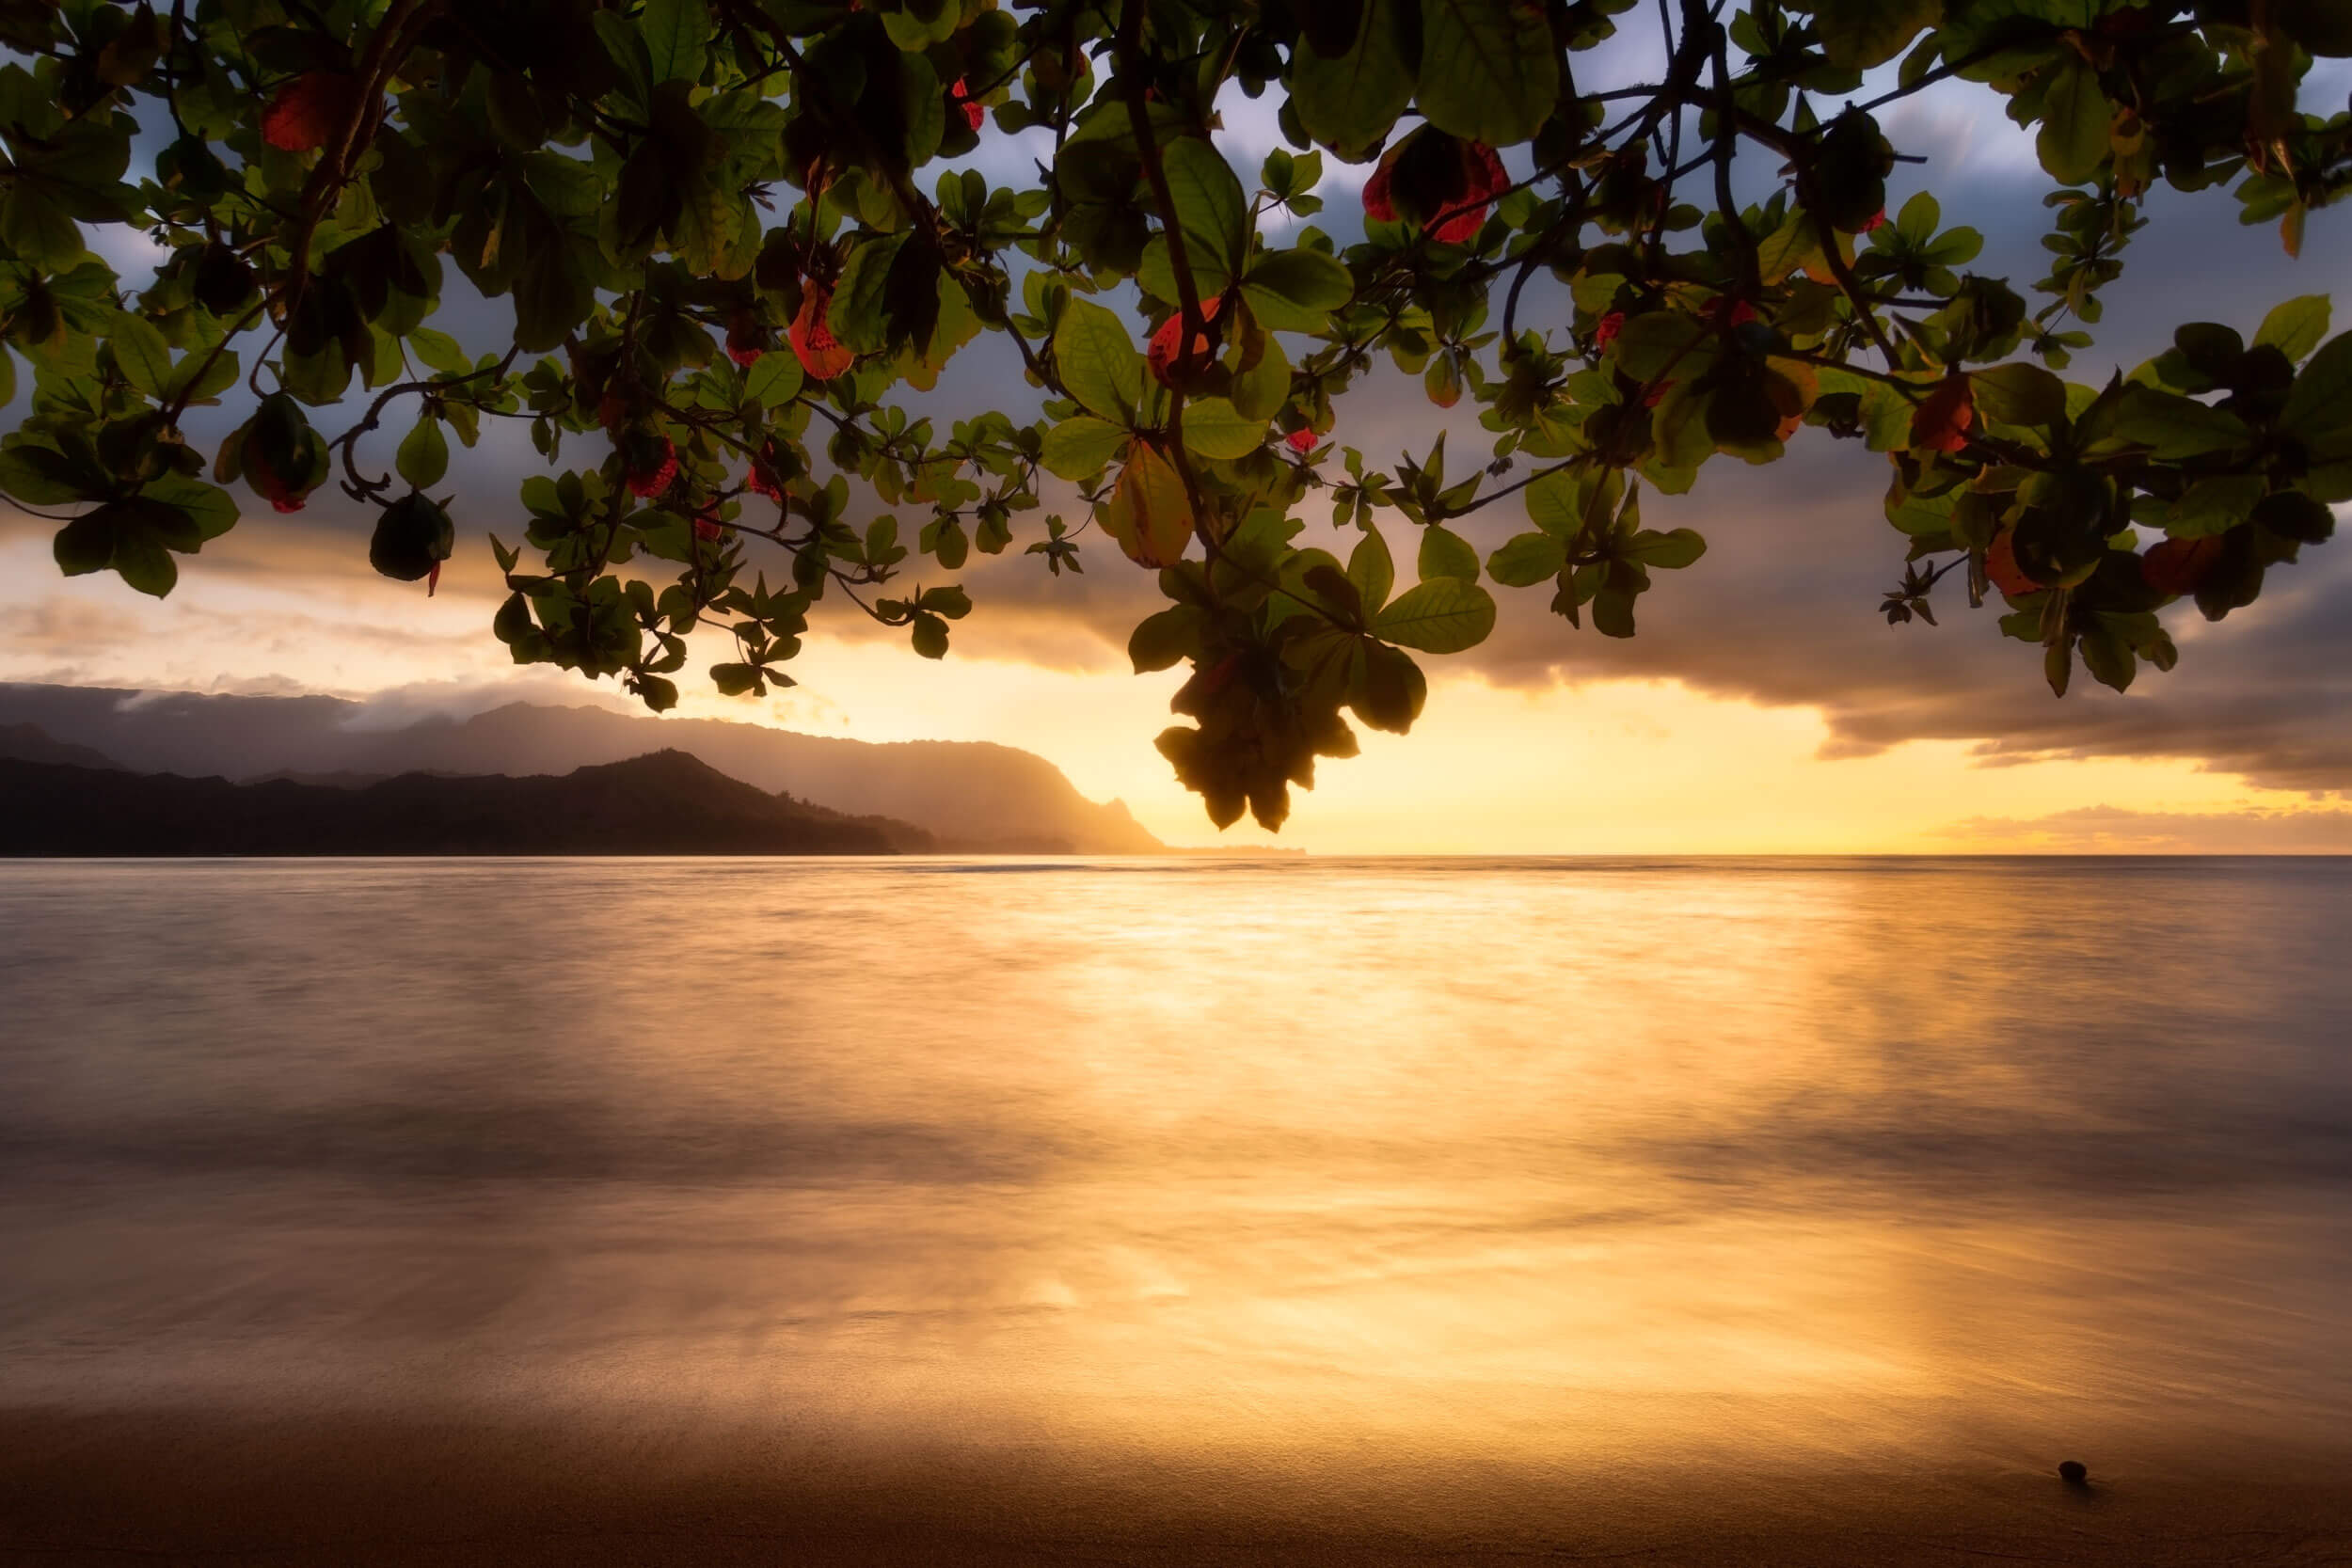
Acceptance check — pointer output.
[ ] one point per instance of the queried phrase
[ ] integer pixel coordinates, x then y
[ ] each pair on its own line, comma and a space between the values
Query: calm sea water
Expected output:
1166, 1158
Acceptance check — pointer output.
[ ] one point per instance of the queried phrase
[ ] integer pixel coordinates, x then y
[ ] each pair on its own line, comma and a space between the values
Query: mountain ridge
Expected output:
970, 796
663, 803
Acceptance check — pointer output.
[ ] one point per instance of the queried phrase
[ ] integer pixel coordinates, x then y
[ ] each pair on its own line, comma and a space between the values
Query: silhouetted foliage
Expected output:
725, 249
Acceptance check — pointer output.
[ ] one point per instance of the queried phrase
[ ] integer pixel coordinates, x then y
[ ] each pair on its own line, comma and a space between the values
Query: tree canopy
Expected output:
732, 236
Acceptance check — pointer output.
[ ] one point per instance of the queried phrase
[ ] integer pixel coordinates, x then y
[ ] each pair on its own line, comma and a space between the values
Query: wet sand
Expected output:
1641, 1218
200, 1488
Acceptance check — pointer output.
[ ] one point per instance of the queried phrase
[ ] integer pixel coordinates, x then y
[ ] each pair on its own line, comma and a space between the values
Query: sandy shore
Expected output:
164, 1486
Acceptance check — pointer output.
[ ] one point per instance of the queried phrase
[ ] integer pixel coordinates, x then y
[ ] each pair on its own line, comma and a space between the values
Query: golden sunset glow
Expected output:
1607, 767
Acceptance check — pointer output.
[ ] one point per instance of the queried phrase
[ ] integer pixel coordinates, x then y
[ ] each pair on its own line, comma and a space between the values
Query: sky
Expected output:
1765, 707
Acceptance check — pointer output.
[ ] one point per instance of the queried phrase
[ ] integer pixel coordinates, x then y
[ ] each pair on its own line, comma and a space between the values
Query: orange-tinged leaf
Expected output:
1941, 420
2177, 566
821, 354
309, 111
1161, 353
1149, 513
2001, 568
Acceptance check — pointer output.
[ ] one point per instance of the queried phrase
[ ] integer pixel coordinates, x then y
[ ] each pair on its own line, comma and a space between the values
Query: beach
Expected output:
995, 1213
186, 1487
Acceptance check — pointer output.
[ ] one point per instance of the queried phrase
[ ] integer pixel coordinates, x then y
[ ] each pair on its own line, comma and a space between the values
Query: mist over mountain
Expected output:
969, 795
31, 743
664, 803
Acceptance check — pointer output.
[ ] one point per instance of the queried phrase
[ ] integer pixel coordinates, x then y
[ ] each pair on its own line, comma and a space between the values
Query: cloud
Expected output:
1781, 610
2114, 830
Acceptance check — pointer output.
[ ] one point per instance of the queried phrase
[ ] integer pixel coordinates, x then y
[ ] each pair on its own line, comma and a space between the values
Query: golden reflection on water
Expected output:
1372, 1159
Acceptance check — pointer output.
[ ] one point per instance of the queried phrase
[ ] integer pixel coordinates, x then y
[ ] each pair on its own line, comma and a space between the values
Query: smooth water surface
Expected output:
1533, 1162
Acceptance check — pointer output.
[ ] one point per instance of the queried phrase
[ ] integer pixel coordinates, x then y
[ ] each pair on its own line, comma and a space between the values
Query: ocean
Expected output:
1346, 1173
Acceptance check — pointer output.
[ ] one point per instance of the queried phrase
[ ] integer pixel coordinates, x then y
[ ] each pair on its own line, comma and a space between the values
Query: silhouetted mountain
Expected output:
971, 795
665, 803
31, 743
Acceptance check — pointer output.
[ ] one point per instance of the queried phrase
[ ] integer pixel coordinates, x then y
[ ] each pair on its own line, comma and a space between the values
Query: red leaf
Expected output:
746, 339
652, 467
1741, 311
958, 95
822, 356
1450, 184
1482, 180
1301, 441
2177, 566
309, 111
763, 480
267, 481
1162, 353
1941, 422
2001, 568
1605, 331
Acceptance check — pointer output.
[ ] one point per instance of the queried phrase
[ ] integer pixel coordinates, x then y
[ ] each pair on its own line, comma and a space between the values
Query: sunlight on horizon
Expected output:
1598, 768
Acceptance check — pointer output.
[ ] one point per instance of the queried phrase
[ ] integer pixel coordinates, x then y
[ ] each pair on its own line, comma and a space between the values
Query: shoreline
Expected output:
196, 1486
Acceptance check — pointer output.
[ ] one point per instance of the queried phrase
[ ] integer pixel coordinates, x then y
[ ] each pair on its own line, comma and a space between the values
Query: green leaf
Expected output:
140, 350
142, 560
859, 315
733, 680
2074, 116
439, 351
1675, 549
2019, 394
36, 228
1443, 615
2213, 506
1797, 241
1159, 641
83, 546
2319, 406
1372, 571
1080, 447
1664, 342
774, 379
2173, 426
1215, 428
1211, 214
1612, 610
676, 31
211, 509
424, 455
1565, 502
931, 636
40, 477
951, 601
1259, 391
1389, 690
1859, 34
1489, 71
1098, 361
1296, 291
1349, 101
1446, 554
1527, 560
2295, 328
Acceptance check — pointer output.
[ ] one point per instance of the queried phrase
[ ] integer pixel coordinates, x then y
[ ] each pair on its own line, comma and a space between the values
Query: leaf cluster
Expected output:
730, 237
